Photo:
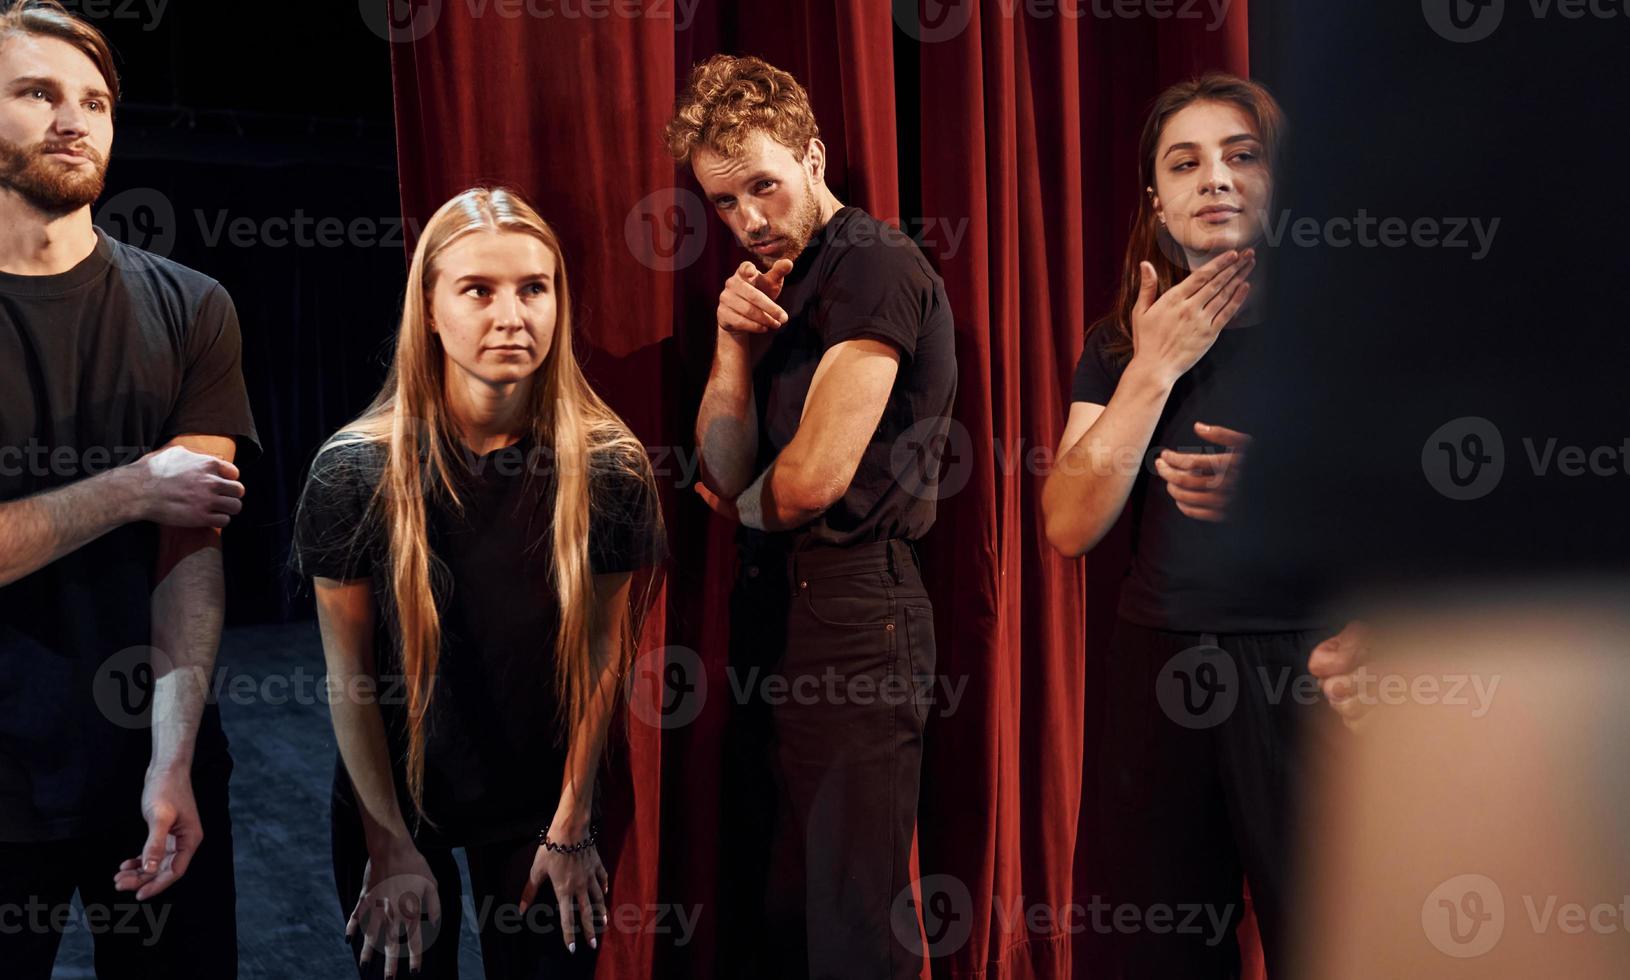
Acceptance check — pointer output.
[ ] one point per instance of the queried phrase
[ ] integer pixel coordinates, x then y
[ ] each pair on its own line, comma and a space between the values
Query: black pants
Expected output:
831, 668
1205, 739
513, 947
188, 930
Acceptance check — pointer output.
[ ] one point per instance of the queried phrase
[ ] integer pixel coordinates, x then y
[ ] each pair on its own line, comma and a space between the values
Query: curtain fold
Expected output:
1012, 140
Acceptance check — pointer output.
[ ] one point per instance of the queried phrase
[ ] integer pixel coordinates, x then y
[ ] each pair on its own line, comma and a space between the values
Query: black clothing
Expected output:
859, 278
189, 932
1195, 787
1179, 577
493, 711
834, 651
98, 365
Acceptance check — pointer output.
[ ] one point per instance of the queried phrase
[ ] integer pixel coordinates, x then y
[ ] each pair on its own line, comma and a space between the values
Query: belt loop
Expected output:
894, 560
792, 572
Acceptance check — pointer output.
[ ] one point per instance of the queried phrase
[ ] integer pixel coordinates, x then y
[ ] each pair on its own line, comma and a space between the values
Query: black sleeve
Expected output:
334, 532
625, 521
879, 290
213, 400
1097, 373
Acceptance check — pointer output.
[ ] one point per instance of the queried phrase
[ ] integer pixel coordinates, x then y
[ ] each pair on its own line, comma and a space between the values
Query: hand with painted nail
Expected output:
1203, 483
580, 883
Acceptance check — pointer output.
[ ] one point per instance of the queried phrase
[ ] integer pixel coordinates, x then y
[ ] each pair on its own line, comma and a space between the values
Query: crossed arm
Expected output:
845, 402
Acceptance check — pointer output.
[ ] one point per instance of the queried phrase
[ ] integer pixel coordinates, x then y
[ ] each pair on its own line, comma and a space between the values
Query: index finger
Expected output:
1198, 279
758, 299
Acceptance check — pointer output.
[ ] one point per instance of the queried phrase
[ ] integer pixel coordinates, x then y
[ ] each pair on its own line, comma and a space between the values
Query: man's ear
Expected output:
815, 159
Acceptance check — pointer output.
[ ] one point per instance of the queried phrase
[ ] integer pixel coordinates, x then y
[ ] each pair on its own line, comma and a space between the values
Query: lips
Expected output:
1216, 211
771, 245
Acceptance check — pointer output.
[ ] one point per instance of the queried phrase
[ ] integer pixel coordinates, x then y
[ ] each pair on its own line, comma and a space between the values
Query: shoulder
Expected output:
181, 290
865, 247
349, 459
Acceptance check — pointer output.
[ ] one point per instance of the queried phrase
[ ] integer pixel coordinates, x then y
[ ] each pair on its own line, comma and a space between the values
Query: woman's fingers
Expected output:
1225, 315
595, 918
1214, 293
1201, 277
568, 918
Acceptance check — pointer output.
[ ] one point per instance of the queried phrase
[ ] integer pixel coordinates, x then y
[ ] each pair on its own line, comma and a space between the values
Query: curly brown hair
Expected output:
728, 99
48, 18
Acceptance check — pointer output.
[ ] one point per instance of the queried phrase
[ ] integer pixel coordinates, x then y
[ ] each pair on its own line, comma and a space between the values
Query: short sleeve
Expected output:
1097, 373
625, 525
879, 288
213, 400
334, 532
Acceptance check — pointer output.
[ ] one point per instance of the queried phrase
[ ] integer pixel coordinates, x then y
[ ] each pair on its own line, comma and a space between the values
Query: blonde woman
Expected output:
471, 538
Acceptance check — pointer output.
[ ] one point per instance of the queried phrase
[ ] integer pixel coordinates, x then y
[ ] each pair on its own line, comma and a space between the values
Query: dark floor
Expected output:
289, 924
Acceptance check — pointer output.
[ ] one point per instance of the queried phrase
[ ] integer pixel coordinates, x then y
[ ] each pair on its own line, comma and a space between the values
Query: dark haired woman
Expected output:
1208, 679
472, 537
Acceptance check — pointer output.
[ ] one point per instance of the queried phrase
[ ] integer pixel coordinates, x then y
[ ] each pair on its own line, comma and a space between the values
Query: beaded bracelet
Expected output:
582, 845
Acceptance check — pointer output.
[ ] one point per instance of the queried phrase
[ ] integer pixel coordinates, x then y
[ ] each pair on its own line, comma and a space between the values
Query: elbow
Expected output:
1065, 527
810, 490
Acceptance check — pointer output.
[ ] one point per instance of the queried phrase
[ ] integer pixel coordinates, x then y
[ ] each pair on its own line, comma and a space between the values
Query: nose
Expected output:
753, 222
508, 313
72, 121
1215, 178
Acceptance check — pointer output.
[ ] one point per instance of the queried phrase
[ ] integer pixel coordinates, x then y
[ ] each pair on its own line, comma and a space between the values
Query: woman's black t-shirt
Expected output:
1180, 578
493, 766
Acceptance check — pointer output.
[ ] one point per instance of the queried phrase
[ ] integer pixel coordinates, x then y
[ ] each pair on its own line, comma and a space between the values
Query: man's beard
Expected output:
801, 228
49, 185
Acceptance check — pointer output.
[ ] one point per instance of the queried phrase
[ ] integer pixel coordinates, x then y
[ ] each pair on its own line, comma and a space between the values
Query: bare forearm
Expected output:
345, 616
187, 610
1089, 485
37, 530
727, 422
360, 732
584, 747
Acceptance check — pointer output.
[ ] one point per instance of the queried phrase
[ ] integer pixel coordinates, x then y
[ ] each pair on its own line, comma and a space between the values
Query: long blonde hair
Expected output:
412, 419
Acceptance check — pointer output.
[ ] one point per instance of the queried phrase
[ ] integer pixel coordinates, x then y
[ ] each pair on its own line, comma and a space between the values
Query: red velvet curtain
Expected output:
1003, 134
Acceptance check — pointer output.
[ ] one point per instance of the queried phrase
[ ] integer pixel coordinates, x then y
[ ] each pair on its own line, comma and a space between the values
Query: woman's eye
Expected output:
537, 289
479, 292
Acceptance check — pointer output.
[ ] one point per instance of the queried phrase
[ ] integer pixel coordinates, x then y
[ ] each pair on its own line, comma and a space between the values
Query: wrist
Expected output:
385, 842
570, 826
129, 490
1150, 375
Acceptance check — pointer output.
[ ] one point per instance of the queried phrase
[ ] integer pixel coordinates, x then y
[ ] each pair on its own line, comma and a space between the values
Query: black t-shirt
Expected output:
98, 365
861, 278
493, 768
1179, 578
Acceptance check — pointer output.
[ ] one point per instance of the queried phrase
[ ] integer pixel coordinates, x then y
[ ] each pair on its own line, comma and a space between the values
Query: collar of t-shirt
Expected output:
89, 269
